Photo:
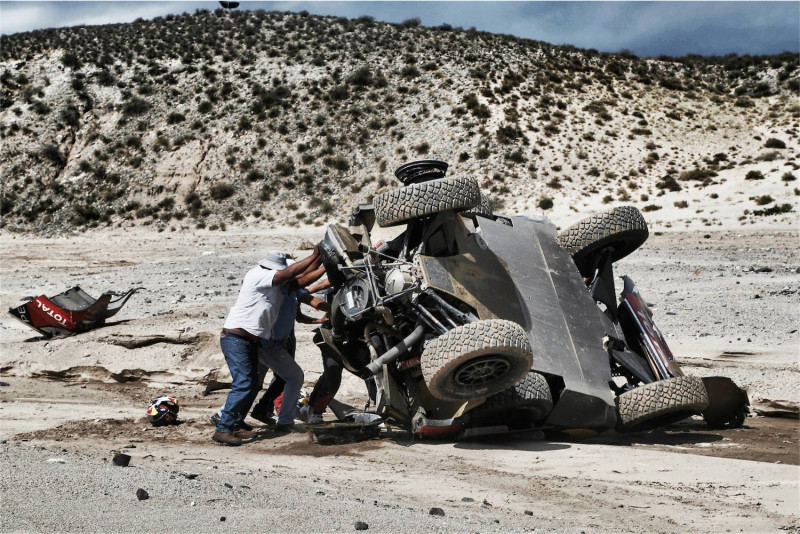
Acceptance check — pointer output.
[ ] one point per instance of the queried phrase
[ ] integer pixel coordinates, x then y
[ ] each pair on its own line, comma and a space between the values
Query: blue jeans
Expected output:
274, 355
242, 359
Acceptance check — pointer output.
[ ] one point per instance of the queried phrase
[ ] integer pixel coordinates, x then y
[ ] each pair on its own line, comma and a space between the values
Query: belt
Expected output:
241, 334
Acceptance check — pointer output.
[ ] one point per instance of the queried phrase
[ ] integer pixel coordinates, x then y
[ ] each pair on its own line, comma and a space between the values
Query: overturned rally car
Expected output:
469, 322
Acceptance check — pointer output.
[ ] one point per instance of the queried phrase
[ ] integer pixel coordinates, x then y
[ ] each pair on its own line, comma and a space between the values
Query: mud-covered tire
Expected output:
623, 228
483, 208
528, 401
426, 198
661, 403
476, 360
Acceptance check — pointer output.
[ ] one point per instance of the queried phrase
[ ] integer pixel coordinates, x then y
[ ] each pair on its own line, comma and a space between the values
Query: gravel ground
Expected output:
83, 493
83, 397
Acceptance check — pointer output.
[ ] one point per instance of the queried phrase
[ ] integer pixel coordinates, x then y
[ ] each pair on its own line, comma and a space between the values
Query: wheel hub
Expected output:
481, 371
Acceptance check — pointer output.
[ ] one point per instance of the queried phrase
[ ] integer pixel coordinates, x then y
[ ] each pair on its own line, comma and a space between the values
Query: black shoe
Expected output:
246, 434
244, 426
288, 427
263, 416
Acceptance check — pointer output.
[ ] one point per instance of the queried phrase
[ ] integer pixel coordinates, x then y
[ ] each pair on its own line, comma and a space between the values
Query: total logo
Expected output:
49, 311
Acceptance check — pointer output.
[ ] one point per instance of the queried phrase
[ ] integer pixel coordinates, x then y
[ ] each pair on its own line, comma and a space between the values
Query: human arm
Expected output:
317, 304
297, 270
319, 286
308, 277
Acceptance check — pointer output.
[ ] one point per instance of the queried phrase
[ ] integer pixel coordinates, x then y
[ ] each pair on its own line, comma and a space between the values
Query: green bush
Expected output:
71, 60
52, 154
669, 183
221, 191
774, 210
754, 175
774, 143
651, 207
763, 200
175, 118
696, 175
545, 203
135, 106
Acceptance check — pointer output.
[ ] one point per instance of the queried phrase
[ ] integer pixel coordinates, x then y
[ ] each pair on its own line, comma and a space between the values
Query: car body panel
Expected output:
538, 287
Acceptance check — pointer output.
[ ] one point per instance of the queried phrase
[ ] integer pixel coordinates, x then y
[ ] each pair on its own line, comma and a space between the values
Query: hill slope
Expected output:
250, 117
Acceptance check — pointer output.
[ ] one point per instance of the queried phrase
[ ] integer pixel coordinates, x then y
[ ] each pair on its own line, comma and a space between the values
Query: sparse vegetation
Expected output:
162, 98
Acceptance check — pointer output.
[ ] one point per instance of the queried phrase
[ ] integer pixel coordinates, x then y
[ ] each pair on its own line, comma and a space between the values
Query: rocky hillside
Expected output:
255, 118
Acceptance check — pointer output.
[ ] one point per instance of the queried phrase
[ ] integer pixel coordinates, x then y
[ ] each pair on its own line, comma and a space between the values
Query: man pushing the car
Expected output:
249, 323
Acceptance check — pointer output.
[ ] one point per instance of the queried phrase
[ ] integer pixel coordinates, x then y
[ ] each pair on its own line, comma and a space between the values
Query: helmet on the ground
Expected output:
163, 410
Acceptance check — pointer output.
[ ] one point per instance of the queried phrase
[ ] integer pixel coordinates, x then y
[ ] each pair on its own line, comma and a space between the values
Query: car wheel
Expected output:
661, 403
622, 228
483, 208
528, 401
476, 360
426, 198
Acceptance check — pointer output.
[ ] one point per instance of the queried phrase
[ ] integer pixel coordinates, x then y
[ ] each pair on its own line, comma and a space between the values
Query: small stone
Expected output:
57, 461
142, 495
764, 270
192, 503
436, 511
4, 384
360, 525
528, 512
121, 460
320, 492
223, 518
467, 499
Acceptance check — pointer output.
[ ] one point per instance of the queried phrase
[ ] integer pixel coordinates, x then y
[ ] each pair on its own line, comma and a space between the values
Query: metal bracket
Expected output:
602, 287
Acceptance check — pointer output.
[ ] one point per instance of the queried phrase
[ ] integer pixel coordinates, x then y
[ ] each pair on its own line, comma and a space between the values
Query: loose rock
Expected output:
142, 495
436, 511
360, 525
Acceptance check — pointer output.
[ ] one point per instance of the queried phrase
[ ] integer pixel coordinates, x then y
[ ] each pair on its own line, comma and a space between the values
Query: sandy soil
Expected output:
70, 403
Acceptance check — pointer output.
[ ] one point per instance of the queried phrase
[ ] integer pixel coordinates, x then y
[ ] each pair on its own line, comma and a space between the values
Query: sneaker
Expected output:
214, 418
226, 438
265, 417
306, 415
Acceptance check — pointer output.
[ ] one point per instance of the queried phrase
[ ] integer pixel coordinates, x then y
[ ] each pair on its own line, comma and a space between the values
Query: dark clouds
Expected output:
646, 28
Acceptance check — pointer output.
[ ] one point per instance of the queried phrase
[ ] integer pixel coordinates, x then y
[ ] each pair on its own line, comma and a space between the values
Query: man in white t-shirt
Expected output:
249, 324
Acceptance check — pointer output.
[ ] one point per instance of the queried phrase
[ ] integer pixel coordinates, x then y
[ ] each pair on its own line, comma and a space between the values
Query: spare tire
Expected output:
426, 198
622, 228
661, 403
476, 360
528, 401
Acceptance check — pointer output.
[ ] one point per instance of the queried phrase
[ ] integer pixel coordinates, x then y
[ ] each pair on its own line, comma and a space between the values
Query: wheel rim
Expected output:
481, 371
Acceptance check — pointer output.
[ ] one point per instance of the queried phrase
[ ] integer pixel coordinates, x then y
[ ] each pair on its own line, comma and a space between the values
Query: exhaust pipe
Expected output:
392, 354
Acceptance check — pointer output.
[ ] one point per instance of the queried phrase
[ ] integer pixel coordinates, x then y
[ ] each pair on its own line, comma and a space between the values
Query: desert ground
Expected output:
68, 404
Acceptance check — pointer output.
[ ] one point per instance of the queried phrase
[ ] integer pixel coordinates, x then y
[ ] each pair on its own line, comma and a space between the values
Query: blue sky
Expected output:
646, 28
